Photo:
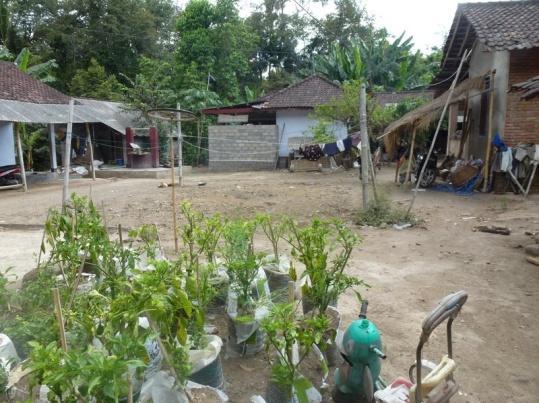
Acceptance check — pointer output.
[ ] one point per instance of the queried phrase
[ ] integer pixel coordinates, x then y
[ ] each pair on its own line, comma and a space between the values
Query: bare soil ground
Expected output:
495, 338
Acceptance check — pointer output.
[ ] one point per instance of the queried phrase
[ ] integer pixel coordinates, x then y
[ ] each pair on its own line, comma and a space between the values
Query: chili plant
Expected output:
241, 262
293, 336
312, 246
274, 232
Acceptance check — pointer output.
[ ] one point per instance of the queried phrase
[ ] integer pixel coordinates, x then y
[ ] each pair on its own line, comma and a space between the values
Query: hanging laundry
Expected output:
340, 145
507, 160
356, 139
347, 143
330, 149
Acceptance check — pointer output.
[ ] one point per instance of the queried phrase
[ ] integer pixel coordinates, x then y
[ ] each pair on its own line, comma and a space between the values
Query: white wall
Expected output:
297, 123
7, 144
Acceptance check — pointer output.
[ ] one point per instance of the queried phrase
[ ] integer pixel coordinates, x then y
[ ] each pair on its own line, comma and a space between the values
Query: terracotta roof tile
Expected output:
504, 25
308, 93
18, 86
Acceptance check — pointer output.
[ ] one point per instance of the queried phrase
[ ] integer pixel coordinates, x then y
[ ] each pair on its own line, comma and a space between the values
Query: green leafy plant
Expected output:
312, 246
381, 212
274, 231
292, 337
241, 262
322, 132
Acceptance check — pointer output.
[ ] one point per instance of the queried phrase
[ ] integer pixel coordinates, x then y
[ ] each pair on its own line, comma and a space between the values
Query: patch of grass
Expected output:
382, 212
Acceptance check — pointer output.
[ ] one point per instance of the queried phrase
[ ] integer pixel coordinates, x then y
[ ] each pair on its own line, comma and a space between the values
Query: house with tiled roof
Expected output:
503, 37
497, 91
257, 135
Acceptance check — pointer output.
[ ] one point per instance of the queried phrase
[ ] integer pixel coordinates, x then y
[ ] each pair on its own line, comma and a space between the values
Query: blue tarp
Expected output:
464, 190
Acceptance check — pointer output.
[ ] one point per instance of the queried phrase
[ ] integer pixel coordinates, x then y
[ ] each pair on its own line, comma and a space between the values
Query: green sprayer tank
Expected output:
362, 350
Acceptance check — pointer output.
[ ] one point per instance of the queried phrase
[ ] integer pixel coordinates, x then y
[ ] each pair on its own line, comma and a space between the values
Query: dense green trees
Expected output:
150, 53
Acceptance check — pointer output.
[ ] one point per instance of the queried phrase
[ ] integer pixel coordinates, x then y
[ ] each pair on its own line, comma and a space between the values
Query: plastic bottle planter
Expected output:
278, 284
275, 393
245, 338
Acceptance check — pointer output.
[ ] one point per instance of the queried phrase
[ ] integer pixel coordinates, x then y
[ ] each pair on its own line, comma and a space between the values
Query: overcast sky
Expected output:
428, 21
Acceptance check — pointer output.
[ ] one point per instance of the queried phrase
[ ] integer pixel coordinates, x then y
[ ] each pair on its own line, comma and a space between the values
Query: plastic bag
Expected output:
202, 358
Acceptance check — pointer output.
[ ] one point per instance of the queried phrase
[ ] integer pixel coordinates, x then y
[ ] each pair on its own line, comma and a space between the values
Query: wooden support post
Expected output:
120, 236
365, 158
90, 146
532, 176
59, 317
174, 222
52, 139
486, 174
21, 157
411, 156
67, 153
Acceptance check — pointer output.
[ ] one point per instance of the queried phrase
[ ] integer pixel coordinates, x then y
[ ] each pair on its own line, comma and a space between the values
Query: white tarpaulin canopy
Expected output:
112, 114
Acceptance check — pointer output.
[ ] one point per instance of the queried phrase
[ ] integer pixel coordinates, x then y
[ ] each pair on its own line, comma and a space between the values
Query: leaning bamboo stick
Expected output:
59, 317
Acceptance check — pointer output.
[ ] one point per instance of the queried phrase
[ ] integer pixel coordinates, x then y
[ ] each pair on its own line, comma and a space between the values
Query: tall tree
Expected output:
116, 33
214, 48
349, 23
279, 35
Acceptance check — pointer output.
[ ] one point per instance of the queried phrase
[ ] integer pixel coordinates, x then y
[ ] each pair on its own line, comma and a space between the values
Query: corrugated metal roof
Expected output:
112, 114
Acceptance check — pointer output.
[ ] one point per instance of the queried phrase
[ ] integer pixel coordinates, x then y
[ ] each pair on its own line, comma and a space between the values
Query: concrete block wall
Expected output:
243, 147
522, 119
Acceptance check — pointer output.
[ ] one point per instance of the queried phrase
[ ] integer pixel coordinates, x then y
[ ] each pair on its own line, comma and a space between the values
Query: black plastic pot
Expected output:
210, 375
277, 394
308, 304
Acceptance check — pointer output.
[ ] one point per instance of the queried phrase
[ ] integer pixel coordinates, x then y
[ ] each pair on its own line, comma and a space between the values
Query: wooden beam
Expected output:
490, 133
465, 39
452, 39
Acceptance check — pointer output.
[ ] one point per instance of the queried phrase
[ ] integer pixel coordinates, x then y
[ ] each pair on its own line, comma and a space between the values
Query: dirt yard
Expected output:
496, 344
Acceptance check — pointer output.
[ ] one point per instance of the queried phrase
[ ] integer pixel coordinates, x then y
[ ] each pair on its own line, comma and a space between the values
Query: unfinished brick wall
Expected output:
243, 147
522, 117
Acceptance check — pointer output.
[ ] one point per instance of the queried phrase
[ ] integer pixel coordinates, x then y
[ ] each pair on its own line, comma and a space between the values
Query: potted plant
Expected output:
276, 266
292, 337
324, 247
246, 288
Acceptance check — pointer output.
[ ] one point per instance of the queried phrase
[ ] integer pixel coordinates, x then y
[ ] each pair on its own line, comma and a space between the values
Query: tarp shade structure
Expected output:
112, 114
423, 116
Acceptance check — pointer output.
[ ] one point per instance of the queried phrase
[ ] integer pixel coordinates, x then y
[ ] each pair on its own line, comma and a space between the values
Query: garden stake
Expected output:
174, 223
130, 390
291, 291
42, 246
120, 236
76, 282
59, 317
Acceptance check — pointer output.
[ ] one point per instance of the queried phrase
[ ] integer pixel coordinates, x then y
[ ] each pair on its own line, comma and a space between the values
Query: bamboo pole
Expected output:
91, 147
67, 154
444, 110
59, 317
21, 158
174, 221
486, 174
180, 147
411, 156
364, 146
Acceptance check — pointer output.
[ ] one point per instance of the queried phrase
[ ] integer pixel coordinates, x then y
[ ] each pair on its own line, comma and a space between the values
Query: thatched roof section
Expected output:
423, 116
